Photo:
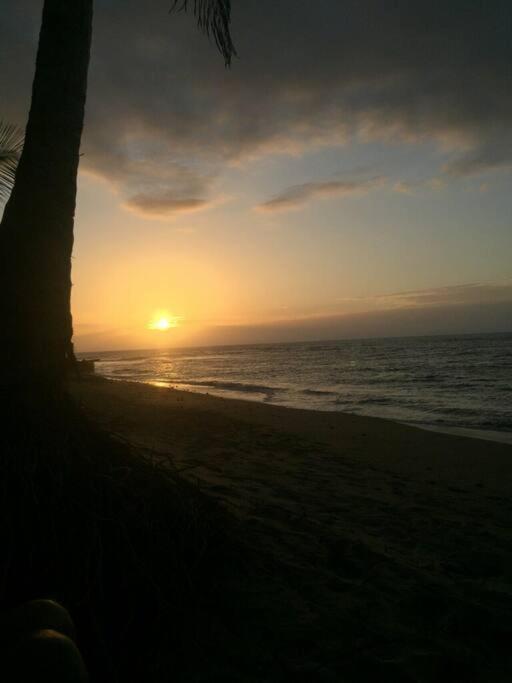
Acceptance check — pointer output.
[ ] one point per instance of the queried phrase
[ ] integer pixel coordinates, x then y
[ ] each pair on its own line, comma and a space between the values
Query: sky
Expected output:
349, 176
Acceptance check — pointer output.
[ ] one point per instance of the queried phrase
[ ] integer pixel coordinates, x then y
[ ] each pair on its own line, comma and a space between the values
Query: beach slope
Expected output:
378, 551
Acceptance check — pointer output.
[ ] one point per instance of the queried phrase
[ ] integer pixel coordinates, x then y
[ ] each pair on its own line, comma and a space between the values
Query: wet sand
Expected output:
381, 551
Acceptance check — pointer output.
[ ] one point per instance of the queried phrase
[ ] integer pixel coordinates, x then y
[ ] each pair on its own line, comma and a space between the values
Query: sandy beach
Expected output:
380, 551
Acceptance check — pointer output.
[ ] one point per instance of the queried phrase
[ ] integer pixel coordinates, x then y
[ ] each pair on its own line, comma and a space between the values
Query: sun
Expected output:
163, 321
161, 324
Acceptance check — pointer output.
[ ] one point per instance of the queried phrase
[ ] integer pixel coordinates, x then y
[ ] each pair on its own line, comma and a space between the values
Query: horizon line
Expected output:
303, 341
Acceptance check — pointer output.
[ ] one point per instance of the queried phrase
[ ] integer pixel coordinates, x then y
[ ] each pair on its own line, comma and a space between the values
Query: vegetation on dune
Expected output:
11, 144
136, 555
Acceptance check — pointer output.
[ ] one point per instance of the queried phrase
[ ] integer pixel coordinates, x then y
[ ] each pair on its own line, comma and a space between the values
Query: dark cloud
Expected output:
151, 183
163, 206
427, 320
473, 293
474, 308
494, 154
308, 74
297, 195
18, 40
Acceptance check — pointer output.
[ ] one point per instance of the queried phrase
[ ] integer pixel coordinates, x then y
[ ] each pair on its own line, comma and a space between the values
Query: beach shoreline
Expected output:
375, 439
450, 384
467, 432
398, 536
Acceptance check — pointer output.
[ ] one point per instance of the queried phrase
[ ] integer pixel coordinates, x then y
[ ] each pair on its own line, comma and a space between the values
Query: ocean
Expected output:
460, 384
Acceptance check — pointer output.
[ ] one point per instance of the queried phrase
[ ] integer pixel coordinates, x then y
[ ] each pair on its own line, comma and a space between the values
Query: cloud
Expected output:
309, 74
153, 185
473, 293
479, 307
491, 317
494, 155
163, 206
297, 195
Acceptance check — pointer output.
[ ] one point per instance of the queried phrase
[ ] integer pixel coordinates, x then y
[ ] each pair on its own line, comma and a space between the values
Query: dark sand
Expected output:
380, 551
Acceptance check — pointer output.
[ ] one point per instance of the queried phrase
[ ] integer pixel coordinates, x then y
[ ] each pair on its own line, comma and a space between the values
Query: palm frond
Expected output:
213, 18
11, 144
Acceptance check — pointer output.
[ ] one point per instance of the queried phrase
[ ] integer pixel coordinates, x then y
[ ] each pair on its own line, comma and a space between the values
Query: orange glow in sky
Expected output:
232, 275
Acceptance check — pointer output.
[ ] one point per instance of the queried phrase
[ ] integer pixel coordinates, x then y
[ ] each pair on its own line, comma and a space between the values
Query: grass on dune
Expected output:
138, 556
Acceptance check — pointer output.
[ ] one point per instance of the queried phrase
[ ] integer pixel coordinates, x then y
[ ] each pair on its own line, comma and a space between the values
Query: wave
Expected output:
124, 360
123, 372
230, 386
319, 392
497, 423
433, 381
372, 400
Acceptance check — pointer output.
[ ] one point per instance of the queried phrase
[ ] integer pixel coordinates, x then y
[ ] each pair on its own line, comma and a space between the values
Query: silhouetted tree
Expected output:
36, 232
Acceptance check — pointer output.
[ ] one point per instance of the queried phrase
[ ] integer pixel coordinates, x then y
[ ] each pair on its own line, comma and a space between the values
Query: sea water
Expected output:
455, 383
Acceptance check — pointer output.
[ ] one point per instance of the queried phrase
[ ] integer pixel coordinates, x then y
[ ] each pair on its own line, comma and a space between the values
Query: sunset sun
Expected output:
163, 321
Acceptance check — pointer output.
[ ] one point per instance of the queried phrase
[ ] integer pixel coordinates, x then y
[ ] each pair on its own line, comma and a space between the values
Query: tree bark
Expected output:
36, 233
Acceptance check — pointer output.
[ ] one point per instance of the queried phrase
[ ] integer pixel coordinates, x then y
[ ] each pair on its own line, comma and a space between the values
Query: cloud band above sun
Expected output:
404, 71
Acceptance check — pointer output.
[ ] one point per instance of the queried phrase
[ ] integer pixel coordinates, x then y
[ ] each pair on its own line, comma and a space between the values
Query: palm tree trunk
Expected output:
36, 233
